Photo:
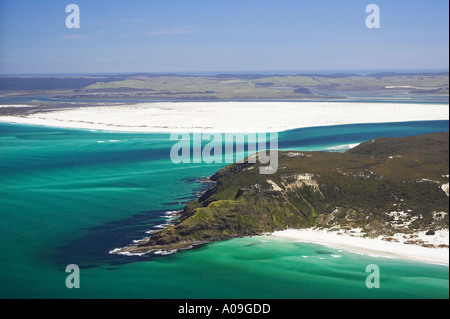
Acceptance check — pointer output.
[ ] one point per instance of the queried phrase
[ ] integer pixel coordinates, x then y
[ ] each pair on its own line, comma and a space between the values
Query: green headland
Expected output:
359, 188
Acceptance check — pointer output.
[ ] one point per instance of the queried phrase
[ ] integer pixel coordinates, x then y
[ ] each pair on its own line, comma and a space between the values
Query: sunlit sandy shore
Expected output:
374, 246
230, 116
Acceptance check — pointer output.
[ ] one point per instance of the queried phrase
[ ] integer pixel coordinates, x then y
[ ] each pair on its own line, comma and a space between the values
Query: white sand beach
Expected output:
224, 117
374, 246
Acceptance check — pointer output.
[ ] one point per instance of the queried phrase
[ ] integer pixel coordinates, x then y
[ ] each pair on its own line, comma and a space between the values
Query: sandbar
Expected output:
232, 117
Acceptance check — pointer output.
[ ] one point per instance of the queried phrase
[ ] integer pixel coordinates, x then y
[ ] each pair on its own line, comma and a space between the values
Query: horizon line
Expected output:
360, 72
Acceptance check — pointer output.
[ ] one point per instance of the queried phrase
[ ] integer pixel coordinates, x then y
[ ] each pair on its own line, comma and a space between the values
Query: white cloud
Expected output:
76, 36
187, 30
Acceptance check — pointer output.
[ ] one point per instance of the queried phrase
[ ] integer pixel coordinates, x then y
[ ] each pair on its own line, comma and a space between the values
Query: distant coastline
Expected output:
327, 72
420, 86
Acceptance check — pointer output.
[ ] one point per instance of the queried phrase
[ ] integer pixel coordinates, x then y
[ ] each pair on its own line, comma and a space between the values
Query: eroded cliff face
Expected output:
382, 187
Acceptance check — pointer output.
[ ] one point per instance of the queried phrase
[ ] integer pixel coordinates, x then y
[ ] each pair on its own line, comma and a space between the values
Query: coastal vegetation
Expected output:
382, 187
221, 86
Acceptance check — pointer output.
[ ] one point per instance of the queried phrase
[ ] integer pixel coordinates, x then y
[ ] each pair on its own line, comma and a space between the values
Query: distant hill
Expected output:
388, 74
49, 83
221, 86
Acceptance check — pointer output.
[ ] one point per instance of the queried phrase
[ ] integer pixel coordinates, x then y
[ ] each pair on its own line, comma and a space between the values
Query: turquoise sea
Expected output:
70, 196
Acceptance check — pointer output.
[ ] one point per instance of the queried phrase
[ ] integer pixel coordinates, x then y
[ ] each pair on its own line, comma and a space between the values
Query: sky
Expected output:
221, 35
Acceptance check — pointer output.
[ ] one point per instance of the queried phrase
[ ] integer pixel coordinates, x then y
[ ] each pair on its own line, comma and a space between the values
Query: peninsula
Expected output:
381, 188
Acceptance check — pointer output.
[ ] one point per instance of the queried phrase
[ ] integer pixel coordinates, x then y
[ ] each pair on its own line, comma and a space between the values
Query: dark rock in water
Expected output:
323, 252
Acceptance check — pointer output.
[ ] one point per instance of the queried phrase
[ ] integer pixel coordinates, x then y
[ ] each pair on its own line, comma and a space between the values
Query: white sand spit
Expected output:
226, 117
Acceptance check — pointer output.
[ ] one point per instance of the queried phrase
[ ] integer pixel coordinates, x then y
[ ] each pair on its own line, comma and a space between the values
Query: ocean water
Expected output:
71, 196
